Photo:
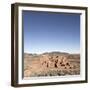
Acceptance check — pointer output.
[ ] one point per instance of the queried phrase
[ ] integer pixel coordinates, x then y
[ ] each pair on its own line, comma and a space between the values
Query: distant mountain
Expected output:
30, 54
55, 52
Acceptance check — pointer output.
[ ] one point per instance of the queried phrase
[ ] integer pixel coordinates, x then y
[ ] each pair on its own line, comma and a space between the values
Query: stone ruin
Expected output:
55, 62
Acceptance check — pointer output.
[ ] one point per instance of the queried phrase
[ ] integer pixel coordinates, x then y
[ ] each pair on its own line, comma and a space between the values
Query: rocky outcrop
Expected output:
55, 62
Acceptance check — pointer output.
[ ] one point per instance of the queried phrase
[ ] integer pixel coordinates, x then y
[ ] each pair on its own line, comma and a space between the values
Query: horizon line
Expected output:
53, 51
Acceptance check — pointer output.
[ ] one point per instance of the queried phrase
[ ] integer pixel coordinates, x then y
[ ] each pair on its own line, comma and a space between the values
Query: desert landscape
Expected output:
51, 64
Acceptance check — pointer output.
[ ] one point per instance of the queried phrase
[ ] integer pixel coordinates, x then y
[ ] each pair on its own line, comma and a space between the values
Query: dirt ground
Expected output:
51, 64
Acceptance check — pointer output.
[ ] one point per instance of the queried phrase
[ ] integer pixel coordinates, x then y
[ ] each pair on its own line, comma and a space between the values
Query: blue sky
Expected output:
47, 32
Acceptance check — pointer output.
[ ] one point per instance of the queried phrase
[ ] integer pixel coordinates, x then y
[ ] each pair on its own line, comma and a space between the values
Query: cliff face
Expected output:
51, 64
